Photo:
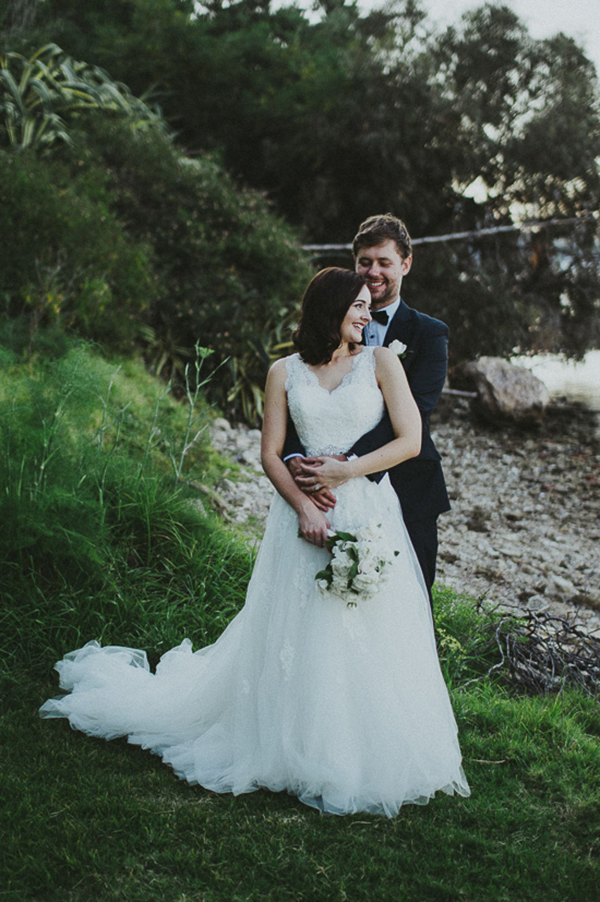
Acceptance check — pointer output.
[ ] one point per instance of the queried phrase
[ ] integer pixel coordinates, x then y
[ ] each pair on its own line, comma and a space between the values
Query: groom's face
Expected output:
383, 268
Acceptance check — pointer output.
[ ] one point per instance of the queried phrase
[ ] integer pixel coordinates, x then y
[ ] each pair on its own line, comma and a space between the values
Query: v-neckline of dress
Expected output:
342, 380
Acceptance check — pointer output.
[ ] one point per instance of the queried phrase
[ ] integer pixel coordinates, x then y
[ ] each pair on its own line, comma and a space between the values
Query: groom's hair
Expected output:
377, 229
324, 305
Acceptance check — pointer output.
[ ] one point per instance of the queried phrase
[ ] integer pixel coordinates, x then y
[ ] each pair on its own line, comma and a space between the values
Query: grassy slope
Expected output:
88, 820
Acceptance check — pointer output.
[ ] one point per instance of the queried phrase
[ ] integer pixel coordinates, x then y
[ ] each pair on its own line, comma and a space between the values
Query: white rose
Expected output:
368, 565
365, 549
364, 585
339, 587
341, 566
398, 347
364, 581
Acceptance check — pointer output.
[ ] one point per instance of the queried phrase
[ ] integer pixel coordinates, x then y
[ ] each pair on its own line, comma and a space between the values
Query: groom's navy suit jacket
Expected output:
419, 482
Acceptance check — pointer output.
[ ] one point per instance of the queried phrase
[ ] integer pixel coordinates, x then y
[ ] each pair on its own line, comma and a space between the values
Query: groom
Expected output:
383, 256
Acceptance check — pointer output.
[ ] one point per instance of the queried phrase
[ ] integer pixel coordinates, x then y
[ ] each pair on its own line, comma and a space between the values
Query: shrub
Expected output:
67, 260
227, 271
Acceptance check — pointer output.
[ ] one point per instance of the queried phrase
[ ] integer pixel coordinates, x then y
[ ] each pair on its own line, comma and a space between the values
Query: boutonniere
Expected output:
399, 348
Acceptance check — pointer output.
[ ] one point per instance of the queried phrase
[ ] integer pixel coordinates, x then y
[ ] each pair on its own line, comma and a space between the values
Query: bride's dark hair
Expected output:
324, 305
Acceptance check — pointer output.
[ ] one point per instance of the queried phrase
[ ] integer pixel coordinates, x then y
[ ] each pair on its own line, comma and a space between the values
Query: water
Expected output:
576, 381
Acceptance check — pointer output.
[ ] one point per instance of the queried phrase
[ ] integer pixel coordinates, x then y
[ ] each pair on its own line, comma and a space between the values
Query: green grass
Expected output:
125, 556
93, 820
101, 536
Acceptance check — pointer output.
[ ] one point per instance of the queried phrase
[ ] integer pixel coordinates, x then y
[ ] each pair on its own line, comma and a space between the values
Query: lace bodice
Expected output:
331, 422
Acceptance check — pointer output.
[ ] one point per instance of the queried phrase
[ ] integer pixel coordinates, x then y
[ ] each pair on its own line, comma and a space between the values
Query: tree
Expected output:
17, 16
339, 114
294, 105
526, 140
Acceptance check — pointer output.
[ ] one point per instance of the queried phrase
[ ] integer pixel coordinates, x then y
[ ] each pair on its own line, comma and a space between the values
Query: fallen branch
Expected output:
462, 236
543, 653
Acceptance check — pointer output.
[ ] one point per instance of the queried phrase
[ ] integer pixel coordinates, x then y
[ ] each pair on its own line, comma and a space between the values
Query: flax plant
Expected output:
37, 95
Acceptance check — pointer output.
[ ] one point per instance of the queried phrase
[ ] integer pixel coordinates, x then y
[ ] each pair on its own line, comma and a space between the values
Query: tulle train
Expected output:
344, 707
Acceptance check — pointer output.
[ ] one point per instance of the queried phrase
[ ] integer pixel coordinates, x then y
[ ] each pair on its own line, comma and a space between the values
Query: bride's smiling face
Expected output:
357, 317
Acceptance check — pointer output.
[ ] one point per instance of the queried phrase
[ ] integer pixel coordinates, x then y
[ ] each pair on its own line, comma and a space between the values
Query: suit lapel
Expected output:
404, 326
401, 326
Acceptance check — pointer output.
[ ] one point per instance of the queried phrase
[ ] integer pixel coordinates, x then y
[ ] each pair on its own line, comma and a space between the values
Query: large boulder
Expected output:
505, 391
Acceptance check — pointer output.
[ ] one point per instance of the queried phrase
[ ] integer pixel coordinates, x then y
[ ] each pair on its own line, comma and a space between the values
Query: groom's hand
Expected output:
321, 497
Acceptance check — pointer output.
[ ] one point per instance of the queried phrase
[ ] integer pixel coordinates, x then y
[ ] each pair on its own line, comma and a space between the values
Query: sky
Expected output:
579, 19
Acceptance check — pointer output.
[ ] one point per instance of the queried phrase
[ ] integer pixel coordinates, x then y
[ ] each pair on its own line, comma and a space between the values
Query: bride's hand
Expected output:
313, 525
321, 497
324, 472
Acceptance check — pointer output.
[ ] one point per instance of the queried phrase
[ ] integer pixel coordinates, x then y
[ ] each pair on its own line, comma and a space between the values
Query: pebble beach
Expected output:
524, 530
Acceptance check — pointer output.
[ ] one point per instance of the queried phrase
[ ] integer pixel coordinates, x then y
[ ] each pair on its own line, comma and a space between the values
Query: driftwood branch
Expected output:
463, 236
457, 393
542, 653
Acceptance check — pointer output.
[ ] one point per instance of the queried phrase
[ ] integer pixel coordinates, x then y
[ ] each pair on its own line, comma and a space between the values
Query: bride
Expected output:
342, 705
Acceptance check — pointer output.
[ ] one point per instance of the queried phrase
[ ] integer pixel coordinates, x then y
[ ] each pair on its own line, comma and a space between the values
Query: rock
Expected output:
561, 587
506, 391
590, 598
221, 424
477, 524
479, 521
537, 603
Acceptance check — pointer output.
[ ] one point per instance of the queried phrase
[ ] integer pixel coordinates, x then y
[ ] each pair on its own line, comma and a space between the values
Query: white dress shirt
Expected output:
374, 332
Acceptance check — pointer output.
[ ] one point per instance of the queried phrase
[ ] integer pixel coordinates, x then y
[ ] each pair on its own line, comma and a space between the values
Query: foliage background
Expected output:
237, 131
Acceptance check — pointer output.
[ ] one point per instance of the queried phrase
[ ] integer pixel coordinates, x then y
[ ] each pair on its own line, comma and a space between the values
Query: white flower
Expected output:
341, 565
365, 548
368, 564
364, 582
398, 347
358, 565
339, 586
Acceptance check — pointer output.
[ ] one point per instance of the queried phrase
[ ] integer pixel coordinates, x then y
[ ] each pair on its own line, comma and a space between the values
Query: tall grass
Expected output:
101, 538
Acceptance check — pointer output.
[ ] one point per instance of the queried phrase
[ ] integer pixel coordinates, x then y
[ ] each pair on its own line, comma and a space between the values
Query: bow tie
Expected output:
380, 316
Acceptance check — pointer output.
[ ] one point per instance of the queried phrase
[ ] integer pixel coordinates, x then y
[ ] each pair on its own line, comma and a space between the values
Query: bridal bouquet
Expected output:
358, 566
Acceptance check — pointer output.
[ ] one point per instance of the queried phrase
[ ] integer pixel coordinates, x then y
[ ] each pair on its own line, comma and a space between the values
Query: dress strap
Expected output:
297, 371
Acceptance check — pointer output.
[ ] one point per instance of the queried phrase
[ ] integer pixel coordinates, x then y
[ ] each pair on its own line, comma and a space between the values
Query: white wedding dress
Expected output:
345, 707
